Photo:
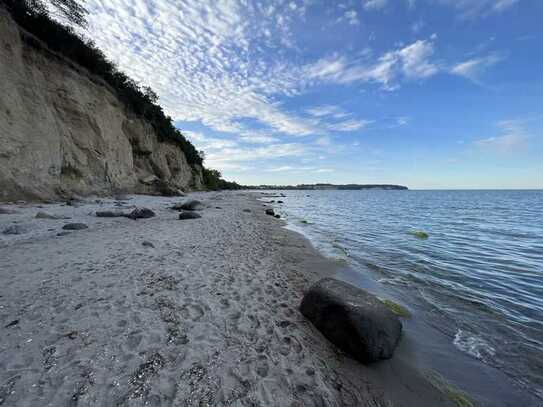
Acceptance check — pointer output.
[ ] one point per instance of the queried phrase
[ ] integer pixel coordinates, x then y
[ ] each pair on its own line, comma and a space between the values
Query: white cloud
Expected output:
286, 168
411, 62
374, 4
349, 125
513, 137
473, 68
478, 8
352, 17
206, 60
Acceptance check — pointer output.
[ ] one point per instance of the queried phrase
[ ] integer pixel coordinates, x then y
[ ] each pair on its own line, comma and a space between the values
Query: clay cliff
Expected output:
64, 132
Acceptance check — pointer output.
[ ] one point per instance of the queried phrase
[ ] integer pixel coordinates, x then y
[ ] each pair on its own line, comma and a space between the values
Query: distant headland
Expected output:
332, 186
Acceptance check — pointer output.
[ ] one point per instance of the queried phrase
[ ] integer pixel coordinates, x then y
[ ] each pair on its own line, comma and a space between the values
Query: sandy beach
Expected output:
167, 312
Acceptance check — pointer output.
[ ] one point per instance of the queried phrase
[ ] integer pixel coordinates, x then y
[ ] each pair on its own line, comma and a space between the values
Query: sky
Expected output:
423, 93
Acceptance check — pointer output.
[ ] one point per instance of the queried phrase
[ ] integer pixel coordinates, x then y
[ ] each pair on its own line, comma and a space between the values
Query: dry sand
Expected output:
208, 316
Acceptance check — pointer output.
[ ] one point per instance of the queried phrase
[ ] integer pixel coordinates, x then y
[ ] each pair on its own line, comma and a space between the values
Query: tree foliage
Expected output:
34, 17
213, 180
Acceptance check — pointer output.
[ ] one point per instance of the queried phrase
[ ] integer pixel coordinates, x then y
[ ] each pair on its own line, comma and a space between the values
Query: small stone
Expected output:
189, 215
270, 212
44, 215
14, 230
247, 210
141, 213
110, 214
65, 233
75, 226
147, 243
191, 205
12, 323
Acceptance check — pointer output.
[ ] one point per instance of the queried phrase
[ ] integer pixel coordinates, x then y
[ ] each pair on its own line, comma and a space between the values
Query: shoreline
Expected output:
209, 314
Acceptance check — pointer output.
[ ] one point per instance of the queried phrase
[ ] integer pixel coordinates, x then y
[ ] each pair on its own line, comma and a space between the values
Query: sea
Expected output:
467, 264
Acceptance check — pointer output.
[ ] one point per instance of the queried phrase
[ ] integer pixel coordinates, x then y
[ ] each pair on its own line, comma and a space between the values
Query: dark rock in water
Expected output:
147, 243
247, 210
14, 230
192, 205
218, 207
65, 233
110, 214
270, 212
141, 213
75, 226
353, 319
7, 211
278, 216
280, 202
189, 215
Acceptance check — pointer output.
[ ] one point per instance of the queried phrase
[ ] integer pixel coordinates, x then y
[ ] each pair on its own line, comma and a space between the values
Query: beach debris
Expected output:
110, 214
14, 230
270, 212
7, 211
141, 213
184, 215
420, 234
398, 309
147, 243
12, 323
75, 226
353, 319
191, 205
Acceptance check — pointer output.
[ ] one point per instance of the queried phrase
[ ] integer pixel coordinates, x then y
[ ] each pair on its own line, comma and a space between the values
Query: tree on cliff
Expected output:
70, 10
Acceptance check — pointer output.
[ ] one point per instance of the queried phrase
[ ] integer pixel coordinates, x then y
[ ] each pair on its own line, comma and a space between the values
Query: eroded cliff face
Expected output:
63, 132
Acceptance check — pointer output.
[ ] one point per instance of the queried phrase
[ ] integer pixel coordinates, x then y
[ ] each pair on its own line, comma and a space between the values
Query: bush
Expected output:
213, 180
32, 16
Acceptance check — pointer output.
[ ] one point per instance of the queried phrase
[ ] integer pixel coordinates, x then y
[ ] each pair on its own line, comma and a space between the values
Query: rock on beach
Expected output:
352, 319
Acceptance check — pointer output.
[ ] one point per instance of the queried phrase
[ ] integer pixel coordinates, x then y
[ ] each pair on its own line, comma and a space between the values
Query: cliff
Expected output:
64, 132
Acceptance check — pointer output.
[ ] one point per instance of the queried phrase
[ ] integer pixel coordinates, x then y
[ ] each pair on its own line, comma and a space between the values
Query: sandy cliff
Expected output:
64, 132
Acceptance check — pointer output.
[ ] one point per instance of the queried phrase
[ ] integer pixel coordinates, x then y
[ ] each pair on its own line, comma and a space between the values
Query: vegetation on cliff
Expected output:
35, 17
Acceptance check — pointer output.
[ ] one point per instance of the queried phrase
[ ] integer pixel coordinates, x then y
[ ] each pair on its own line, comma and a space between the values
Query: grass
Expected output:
459, 398
398, 309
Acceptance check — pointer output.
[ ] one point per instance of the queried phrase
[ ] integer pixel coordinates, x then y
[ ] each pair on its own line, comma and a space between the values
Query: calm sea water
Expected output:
477, 278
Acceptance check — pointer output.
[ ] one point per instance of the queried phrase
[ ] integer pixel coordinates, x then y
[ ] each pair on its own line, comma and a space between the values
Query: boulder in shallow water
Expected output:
184, 215
75, 226
141, 213
352, 319
270, 212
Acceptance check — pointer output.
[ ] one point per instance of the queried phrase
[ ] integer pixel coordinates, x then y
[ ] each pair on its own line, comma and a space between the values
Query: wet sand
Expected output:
208, 316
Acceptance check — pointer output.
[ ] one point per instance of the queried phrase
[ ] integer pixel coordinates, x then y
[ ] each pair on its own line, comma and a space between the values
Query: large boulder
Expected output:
352, 319
191, 205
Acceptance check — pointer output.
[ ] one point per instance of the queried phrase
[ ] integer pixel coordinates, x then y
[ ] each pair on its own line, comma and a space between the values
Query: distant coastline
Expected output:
331, 186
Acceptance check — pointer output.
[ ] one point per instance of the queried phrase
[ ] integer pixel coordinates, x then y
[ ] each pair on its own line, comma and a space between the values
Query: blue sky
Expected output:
424, 93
